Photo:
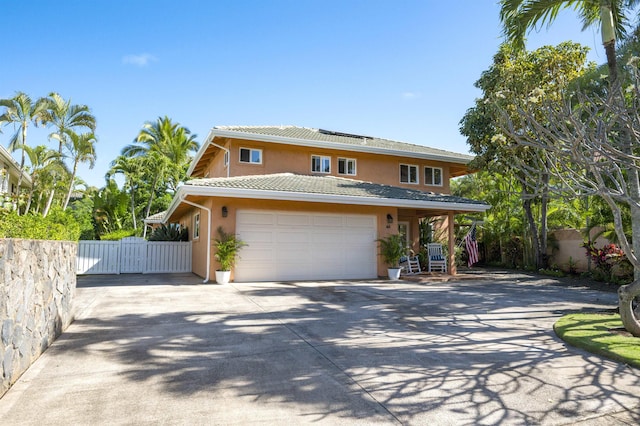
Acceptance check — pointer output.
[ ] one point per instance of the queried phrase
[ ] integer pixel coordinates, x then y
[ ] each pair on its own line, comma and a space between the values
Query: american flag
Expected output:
472, 246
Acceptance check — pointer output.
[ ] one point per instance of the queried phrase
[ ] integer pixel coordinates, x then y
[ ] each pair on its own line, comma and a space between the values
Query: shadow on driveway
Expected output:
479, 352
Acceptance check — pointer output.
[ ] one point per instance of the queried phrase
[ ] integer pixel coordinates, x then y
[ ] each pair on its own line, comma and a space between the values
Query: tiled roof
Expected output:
155, 217
362, 141
326, 185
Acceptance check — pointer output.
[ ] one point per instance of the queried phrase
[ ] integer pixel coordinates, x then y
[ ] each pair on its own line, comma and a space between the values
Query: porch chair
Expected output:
436, 258
410, 264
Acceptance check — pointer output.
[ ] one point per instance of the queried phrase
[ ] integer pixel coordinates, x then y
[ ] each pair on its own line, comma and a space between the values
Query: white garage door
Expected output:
284, 246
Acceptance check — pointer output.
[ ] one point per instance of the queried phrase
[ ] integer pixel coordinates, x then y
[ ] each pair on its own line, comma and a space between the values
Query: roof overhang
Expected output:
204, 191
221, 133
15, 167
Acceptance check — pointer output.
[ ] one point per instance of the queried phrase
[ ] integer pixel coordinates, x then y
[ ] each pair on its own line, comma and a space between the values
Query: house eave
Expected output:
187, 190
15, 167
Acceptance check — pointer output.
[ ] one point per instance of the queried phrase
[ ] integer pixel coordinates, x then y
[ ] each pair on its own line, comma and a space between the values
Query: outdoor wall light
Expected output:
389, 220
225, 212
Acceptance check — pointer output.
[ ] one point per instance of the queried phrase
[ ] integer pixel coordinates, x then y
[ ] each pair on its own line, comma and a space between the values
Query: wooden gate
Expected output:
133, 255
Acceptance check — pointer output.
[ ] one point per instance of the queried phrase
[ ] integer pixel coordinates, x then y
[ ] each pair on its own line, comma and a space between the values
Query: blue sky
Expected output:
402, 70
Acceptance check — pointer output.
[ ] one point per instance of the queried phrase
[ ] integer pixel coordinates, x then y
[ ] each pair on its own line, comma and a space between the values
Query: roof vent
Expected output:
346, 135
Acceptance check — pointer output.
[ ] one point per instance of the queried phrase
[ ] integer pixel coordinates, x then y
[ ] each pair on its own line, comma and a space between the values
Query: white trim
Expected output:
432, 176
417, 182
346, 166
250, 156
13, 164
407, 236
322, 158
196, 226
186, 190
321, 144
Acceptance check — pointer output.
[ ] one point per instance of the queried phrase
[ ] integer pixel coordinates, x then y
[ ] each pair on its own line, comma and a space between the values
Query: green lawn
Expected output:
593, 333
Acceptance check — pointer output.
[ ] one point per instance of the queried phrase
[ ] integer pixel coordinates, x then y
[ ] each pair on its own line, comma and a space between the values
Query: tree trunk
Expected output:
39, 203
24, 141
608, 34
133, 208
153, 191
73, 177
45, 212
626, 295
33, 185
544, 202
535, 240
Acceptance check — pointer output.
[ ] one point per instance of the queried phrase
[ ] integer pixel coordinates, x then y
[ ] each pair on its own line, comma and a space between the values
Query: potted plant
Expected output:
227, 248
392, 249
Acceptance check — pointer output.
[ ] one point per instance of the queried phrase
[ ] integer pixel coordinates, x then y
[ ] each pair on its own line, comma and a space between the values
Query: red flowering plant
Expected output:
604, 258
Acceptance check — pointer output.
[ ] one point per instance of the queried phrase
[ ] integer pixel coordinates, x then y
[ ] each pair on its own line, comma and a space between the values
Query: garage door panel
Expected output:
305, 246
292, 237
333, 238
360, 221
257, 218
360, 239
254, 237
328, 221
257, 254
292, 220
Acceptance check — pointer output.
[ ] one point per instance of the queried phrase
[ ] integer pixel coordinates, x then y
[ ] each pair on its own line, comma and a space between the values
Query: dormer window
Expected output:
408, 173
320, 164
251, 155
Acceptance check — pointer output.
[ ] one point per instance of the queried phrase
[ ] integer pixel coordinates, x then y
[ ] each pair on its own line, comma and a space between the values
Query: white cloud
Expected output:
411, 95
141, 60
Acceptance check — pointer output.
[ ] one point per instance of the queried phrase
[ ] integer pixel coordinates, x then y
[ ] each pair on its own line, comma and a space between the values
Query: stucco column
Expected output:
452, 244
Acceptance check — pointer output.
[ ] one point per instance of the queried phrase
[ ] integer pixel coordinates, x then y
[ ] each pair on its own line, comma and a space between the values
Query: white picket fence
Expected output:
133, 256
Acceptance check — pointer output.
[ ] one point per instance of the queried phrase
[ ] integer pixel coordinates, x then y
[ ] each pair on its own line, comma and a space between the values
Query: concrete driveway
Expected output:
169, 350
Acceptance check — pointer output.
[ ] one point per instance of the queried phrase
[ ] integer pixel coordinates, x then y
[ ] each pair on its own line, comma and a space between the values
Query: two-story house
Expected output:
311, 203
10, 175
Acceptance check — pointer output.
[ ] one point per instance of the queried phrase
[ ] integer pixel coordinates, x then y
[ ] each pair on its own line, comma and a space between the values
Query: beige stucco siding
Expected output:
279, 158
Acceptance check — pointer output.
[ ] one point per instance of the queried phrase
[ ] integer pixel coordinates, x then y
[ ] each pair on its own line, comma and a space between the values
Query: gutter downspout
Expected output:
206, 278
228, 165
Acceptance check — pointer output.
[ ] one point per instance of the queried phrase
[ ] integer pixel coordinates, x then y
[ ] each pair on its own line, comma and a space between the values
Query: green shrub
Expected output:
118, 235
552, 272
58, 225
173, 232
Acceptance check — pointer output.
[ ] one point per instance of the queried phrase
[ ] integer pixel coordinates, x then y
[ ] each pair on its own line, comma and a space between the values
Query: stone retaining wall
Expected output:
37, 287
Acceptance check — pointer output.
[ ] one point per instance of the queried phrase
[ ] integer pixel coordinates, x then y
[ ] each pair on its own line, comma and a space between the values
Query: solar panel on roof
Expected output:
347, 135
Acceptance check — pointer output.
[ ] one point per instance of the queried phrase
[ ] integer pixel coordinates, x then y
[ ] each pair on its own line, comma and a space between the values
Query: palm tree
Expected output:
166, 147
519, 16
131, 168
82, 150
41, 159
21, 111
64, 116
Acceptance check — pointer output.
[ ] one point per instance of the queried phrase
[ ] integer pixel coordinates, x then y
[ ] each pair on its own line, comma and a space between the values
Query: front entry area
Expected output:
285, 246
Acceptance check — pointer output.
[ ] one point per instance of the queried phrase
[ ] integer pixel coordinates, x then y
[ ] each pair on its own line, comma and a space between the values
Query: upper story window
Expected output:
226, 157
251, 155
320, 164
408, 173
347, 166
433, 176
196, 226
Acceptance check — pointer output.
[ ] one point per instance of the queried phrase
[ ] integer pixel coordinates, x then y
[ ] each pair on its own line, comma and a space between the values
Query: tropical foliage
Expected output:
152, 167
227, 248
59, 225
171, 232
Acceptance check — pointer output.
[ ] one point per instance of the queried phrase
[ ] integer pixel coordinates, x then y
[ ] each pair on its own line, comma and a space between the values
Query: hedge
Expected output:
57, 225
